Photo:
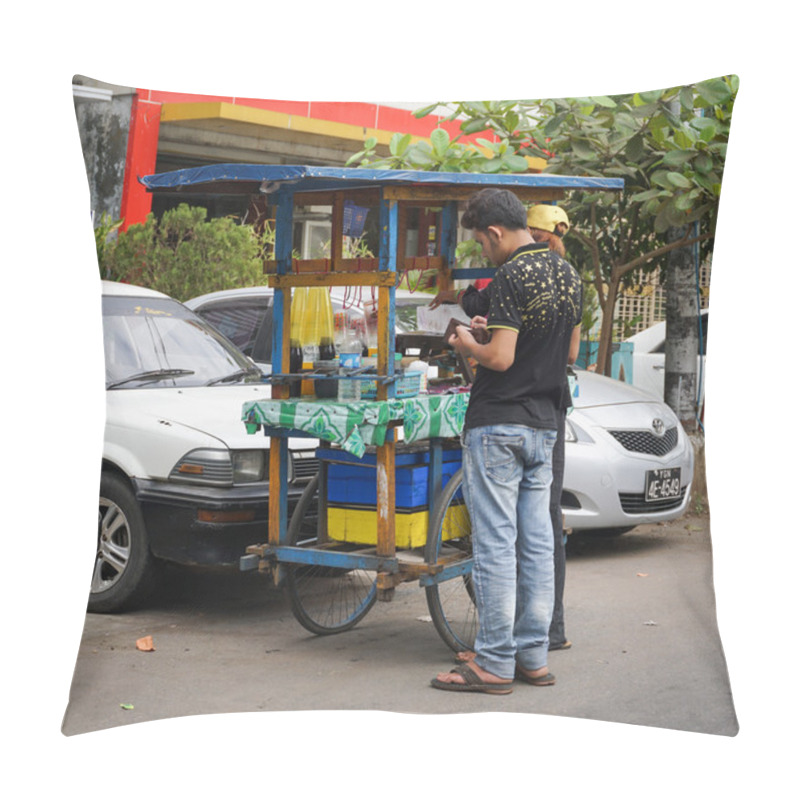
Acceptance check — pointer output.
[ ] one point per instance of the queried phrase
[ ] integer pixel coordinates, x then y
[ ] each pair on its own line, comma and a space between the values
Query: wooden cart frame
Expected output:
393, 193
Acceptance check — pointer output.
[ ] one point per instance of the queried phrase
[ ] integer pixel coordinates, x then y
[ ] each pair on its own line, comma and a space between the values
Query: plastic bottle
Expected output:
312, 318
312, 332
370, 333
327, 351
299, 298
339, 329
349, 359
359, 330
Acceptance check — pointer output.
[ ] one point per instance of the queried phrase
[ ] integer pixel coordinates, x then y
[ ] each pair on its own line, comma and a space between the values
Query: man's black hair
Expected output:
494, 207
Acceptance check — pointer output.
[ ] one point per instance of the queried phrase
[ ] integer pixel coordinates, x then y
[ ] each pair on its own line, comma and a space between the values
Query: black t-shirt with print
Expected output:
475, 303
538, 294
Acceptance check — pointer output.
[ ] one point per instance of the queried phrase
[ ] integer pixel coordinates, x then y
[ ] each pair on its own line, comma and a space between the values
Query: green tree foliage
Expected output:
669, 145
440, 154
183, 254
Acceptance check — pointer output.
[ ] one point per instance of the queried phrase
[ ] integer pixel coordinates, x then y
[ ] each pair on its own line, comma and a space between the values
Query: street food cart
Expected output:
380, 511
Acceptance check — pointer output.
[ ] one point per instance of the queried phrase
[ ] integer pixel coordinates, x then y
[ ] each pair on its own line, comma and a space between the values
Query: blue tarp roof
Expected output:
250, 178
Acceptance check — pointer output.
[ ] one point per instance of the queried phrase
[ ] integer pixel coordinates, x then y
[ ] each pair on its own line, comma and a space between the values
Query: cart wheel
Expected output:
452, 602
324, 599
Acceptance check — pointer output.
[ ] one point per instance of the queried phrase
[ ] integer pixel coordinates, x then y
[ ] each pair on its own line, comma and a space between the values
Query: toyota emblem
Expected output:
658, 427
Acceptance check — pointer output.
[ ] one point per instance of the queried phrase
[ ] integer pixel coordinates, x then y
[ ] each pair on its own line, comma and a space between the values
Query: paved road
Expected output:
637, 607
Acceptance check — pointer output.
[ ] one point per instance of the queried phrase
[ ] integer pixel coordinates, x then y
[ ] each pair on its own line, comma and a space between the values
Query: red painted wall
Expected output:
367, 115
140, 160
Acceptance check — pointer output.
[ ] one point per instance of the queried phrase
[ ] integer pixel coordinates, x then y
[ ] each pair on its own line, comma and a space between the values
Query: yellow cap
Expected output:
545, 217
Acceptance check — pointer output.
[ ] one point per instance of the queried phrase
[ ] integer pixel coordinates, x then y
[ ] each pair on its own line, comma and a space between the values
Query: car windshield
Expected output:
157, 342
247, 322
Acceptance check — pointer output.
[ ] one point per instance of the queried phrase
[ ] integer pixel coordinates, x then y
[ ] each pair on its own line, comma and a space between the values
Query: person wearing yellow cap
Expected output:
548, 223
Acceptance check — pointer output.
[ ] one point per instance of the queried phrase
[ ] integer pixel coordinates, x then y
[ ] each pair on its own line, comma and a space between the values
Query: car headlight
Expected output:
220, 467
248, 466
574, 433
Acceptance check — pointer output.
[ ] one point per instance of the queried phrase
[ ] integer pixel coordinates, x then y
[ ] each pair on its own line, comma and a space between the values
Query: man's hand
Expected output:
478, 332
462, 340
445, 296
497, 354
478, 322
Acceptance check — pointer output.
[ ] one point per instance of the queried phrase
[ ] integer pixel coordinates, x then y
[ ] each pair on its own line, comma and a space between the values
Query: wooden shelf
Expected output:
380, 278
351, 266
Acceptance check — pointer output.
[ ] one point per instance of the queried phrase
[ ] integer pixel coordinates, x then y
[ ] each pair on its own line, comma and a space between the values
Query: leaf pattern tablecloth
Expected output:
356, 425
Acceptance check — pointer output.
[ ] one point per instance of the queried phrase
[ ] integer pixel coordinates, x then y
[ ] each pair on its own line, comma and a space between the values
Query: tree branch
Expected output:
624, 269
590, 243
631, 228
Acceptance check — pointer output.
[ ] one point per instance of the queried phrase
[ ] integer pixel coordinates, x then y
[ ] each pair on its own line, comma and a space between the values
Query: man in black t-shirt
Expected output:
508, 440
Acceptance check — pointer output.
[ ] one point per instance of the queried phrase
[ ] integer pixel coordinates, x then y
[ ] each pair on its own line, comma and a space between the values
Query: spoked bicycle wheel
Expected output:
324, 599
452, 602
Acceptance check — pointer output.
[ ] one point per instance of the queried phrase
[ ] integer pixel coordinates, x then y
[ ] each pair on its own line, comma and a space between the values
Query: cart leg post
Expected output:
386, 510
385, 587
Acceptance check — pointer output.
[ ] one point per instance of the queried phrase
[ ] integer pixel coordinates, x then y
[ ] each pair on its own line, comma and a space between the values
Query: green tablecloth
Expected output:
356, 425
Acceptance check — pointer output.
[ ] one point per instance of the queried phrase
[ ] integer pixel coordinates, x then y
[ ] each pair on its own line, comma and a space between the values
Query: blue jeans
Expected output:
507, 477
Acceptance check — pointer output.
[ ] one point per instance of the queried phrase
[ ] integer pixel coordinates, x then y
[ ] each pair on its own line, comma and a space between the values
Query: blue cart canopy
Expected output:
268, 178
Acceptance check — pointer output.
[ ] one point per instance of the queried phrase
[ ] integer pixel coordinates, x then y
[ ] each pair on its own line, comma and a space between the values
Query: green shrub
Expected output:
184, 255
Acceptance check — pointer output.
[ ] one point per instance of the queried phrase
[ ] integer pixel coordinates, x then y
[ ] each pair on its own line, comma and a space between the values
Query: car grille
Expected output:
636, 504
304, 468
647, 442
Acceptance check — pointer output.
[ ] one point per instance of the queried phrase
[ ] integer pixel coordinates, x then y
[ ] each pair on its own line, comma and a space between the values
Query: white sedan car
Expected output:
649, 348
181, 479
628, 460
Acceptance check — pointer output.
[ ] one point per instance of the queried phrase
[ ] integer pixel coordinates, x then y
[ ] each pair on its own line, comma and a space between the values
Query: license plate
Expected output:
662, 484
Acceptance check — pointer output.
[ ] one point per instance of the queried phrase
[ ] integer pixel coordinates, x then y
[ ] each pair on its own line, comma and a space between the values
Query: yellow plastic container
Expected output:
360, 525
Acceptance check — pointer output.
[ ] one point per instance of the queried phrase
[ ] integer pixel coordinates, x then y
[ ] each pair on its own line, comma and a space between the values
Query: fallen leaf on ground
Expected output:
126, 706
145, 644
642, 574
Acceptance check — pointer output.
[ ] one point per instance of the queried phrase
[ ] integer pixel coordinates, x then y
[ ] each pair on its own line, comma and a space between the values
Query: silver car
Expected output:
628, 460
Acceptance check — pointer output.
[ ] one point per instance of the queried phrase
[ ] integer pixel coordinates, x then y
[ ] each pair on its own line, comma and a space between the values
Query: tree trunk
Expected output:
607, 293
604, 347
680, 376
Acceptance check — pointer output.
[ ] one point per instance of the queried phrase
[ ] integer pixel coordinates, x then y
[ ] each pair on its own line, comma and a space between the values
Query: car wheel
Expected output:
123, 566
